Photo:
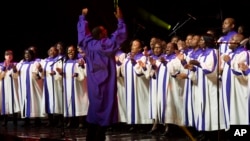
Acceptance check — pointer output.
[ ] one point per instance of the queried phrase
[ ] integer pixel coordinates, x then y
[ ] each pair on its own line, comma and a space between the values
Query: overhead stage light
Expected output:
150, 17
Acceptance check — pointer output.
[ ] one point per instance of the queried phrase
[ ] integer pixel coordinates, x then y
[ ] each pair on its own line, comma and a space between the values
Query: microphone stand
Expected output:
62, 59
178, 27
218, 90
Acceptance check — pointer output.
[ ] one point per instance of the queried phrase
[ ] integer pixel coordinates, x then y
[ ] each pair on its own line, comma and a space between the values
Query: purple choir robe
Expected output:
101, 72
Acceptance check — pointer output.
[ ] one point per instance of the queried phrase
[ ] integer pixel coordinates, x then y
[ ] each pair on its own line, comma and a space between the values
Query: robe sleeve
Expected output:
210, 64
83, 30
108, 44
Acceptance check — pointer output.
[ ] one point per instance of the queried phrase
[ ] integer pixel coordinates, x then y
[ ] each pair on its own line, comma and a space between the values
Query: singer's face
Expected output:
27, 55
189, 40
157, 49
202, 43
169, 48
60, 48
195, 41
53, 52
227, 25
235, 41
240, 29
8, 57
152, 42
174, 40
136, 47
71, 52
181, 45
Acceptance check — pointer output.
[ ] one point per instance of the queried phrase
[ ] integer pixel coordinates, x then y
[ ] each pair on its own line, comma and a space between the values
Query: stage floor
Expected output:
116, 133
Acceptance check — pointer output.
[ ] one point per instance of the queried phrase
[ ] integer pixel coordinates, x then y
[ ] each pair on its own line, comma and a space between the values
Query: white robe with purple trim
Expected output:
9, 100
236, 87
163, 100
151, 74
137, 94
121, 96
175, 91
76, 102
210, 106
30, 89
52, 88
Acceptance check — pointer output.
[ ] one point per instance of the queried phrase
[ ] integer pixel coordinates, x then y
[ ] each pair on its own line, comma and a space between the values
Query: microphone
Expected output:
244, 42
62, 58
141, 26
115, 4
176, 26
189, 15
226, 43
222, 42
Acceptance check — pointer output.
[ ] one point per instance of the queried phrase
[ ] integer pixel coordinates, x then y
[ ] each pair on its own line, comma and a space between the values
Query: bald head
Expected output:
228, 25
236, 41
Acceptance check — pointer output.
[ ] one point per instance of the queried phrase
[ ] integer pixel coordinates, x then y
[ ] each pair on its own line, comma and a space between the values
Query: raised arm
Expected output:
120, 35
82, 26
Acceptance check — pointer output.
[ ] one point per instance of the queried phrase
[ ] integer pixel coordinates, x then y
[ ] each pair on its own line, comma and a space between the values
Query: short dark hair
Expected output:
96, 32
8, 52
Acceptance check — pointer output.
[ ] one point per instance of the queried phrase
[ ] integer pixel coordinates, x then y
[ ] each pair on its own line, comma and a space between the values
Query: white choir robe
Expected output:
151, 74
121, 96
246, 76
136, 89
188, 101
190, 86
192, 96
9, 103
211, 107
175, 91
235, 86
188, 97
162, 95
52, 88
76, 102
195, 98
224, 85
30, 89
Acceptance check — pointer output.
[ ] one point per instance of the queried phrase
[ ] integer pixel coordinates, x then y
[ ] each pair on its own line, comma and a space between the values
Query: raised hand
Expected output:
180, 56
118, 13
152, 61
142, 64
226, 58
188, 66
194, 62
243, 66
59, 70
85, 11
81, 62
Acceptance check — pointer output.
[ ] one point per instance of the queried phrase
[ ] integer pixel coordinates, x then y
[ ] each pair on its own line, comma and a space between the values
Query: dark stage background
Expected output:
44, 22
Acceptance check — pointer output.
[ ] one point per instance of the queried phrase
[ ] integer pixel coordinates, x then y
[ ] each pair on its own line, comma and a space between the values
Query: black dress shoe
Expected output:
131, 129
152, 131
80, 126
68, 125
49, 124
201, 137
166, 133
15, 123
26, 124
5, 121
59, 125
4, 124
